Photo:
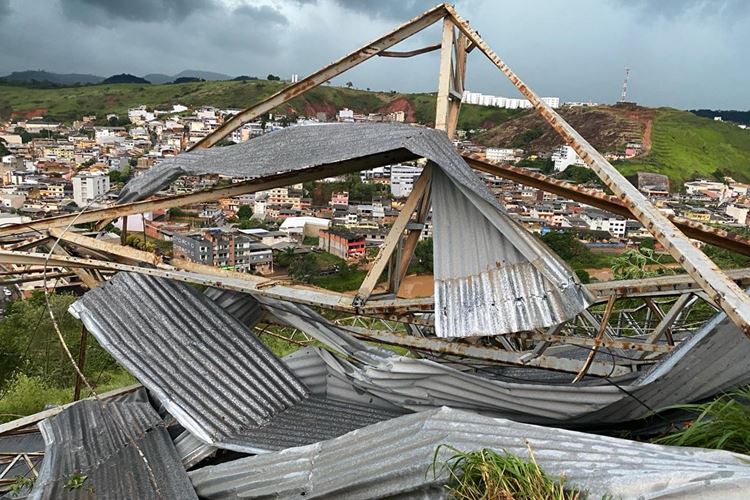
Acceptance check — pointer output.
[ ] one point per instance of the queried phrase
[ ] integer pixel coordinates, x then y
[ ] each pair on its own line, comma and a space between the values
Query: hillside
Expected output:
676, 143
69, 103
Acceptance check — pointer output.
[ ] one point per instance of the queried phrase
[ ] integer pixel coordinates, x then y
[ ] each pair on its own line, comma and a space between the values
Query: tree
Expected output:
637, 264
244, 212
349, 84
3, 150
305, 268
567, 246
423, 253
272, 77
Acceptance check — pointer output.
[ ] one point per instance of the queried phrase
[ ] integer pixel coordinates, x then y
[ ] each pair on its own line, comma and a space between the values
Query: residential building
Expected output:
341, 243
564, 156
225, 249
88, 187
403, 178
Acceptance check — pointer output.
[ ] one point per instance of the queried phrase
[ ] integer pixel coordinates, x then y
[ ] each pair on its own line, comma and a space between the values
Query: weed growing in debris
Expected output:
723, 423
488, 475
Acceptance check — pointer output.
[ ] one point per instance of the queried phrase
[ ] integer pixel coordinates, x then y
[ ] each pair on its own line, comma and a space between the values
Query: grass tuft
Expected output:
723, 423
488, 475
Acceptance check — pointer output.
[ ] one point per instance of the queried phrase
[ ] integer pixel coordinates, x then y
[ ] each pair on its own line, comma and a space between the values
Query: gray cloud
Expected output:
151, 11
561, 56
5, 9
672, 9
262, 14
389, 9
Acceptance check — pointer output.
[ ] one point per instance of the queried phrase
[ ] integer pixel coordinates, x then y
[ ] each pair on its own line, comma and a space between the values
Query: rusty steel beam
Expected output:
575, 340
696, 230
409, 53
213, 194
658, 286
722, 290
36, 277
324, 74
445, 346
421, 185
228, 280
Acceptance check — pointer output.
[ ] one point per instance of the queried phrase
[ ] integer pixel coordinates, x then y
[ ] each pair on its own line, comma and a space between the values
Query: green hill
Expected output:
69, 103
685, 146
676, 143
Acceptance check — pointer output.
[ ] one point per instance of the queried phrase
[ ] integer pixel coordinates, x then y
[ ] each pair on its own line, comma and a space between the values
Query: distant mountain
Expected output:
158, 78
204, 75
188, 79
55, 78
125, 78
729, 115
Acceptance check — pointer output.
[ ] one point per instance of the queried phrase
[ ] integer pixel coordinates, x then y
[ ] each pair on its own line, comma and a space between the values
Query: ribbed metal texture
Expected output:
26, 442
218, 380
242, 306
393, 458
706, 362
492, 276
123, 451
192, 450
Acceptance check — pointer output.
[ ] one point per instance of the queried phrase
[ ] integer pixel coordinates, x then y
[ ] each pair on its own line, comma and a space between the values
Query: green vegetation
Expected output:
324, 270
723, 423
34, 371
70, 103
423, 257
686, 146
488, 475
640, 263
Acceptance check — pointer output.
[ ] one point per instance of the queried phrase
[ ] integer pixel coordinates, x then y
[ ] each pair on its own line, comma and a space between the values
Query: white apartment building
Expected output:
505, 102
602, 221
564, 156
402, 179
501, 154
89, 186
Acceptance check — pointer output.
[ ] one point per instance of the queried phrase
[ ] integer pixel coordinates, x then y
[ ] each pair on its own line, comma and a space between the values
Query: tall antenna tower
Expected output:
625, 85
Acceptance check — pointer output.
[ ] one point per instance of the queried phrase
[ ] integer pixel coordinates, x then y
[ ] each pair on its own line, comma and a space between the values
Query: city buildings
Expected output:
87, 187
225, 249
505, 102
342, 243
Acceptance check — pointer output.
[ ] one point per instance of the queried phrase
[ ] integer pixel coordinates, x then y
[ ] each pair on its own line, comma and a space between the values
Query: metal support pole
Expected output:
81, 362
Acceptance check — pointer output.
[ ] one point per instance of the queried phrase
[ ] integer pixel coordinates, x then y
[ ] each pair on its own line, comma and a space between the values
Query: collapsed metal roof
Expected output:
111, 449
710, 360
491, 275
218, 380
393, 458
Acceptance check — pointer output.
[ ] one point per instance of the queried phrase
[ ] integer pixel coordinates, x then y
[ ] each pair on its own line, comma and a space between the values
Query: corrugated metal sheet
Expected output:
192, 450
710, 360
24, 442
122, 449
393, 459
218, 380
492, 276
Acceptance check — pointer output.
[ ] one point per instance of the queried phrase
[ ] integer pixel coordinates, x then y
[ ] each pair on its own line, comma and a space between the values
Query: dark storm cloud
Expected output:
389, 9
575, 50
152, 11
672, 9
262, 14
4, 8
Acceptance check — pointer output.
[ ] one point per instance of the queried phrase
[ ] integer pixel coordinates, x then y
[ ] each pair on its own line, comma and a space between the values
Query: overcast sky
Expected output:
682, 53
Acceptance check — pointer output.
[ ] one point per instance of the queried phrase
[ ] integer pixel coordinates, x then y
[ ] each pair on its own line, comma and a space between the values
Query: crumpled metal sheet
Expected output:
122, 450
393, 459
217, 379
710, 360
492, 276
